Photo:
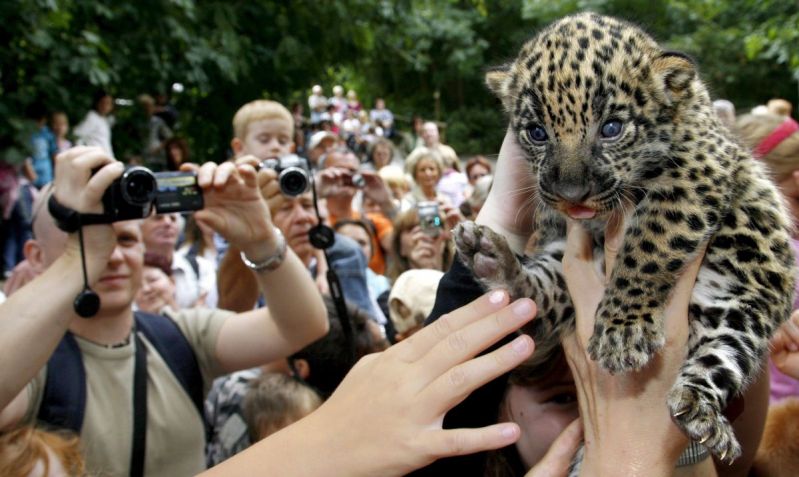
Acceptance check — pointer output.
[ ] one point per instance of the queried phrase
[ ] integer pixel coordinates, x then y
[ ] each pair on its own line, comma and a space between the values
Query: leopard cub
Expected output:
614, 125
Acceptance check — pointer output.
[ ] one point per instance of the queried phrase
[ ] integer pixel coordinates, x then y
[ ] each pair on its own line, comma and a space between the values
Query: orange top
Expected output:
383, 227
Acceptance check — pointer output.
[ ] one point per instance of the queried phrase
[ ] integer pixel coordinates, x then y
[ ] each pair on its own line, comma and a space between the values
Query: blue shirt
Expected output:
43, 148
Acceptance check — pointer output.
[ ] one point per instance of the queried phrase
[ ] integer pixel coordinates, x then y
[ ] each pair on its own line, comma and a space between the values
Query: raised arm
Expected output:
30, 326
296, 315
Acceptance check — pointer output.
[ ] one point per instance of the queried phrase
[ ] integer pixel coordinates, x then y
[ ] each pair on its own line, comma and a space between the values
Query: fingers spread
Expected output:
424, 340
458, 382
461, 344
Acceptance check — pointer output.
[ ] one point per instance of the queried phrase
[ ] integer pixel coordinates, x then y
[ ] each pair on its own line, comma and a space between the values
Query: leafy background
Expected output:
425, 57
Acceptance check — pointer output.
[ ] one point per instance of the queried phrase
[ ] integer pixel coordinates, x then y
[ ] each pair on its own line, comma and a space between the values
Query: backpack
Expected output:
64, 400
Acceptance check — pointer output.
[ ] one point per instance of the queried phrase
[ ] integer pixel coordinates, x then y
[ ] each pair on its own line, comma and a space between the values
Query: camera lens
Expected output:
138, 186
293, 181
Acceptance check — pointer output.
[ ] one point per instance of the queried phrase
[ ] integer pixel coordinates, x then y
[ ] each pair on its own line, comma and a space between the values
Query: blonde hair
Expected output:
273, 401
394, 176
423, 153
21, 449
258, 110
783, 159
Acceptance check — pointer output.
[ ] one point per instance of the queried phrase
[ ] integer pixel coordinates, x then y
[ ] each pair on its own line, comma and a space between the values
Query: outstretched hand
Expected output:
386, 417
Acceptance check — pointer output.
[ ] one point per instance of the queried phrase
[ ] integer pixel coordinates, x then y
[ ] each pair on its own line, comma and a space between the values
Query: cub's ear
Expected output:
673, 73
499, 80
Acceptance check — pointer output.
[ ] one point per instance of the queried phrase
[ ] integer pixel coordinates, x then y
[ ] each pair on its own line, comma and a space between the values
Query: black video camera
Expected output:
138, 190
293, 173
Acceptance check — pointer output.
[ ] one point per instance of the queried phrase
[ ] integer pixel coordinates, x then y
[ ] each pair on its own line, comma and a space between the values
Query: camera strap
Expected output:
322, 237
70, 220
139, 447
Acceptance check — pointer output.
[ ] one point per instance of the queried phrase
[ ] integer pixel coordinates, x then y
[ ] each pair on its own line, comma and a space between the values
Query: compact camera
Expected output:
293, 173
138, 190
429, 218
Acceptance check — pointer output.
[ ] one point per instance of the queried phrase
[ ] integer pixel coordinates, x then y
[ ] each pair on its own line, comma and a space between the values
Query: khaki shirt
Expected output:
175, 431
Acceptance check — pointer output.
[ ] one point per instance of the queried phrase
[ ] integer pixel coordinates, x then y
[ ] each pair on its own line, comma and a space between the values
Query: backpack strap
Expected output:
64, 400
176, 351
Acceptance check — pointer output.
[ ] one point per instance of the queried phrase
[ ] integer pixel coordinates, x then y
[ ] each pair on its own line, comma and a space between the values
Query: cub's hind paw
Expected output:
487, 254
621, 344
703, 422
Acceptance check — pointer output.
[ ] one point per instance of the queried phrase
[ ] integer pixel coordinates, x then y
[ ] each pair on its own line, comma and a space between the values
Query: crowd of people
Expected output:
231, 331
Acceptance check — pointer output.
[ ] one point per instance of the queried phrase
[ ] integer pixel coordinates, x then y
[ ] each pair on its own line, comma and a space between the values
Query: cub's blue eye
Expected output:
537, 134
611, 129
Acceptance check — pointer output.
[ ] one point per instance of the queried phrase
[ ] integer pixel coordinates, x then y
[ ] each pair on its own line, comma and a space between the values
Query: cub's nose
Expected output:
572, 192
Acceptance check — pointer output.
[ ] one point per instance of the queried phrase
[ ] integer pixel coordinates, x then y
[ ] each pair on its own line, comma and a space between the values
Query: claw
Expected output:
723, 456
680, 413
704, 439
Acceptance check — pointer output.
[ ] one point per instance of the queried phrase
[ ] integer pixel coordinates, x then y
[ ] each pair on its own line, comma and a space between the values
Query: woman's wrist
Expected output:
517, 237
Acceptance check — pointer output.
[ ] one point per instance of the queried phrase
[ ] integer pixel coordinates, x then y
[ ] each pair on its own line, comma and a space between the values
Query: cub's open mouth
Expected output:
577, 211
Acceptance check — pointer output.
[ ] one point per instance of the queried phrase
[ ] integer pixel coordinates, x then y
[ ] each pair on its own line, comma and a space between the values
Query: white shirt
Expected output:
95, 130
189, 287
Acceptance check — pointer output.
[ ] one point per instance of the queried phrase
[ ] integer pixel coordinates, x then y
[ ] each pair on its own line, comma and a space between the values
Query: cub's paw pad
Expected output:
485, 252
702, 421
620, 344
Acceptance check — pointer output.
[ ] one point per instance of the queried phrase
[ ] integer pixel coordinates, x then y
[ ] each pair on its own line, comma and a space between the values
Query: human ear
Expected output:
237, 146
34, 255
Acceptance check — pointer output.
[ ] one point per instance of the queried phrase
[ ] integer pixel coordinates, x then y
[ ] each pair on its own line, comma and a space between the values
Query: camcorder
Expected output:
429, 218
134, 194
293, 173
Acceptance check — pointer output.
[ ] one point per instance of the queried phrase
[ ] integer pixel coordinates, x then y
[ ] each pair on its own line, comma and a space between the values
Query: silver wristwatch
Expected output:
272, 262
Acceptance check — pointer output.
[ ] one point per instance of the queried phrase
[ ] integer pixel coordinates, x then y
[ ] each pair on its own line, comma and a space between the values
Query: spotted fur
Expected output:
682, 182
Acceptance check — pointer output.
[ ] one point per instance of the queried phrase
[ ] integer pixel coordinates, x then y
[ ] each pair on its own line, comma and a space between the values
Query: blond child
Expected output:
264, 129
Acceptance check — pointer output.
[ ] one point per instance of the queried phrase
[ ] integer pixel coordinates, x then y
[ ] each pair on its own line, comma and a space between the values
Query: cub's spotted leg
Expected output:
721, 361
539, 277
660, 239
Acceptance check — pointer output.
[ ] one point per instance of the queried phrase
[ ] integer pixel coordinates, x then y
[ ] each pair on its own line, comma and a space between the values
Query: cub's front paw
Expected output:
622, 341
703, 422
487, 254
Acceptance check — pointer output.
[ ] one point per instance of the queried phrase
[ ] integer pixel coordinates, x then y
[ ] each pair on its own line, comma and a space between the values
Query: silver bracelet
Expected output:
693, 454
272, 262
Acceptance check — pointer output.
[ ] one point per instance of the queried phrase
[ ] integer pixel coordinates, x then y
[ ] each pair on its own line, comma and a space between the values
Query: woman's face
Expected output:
381, 156
426, 174
176, 153
360, 236
157, 291
477, 172
542, 411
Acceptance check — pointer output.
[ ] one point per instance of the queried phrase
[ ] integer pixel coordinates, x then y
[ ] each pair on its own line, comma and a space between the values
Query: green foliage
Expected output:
425, 57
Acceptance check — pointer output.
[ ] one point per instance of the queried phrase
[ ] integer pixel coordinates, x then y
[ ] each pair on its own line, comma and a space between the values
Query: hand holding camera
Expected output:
234, 206
83, 174
335, 181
